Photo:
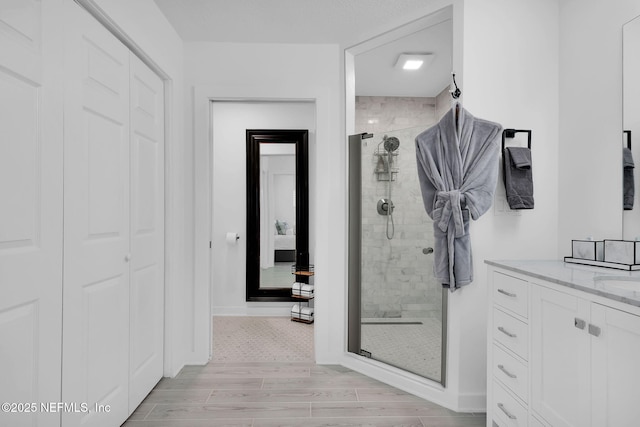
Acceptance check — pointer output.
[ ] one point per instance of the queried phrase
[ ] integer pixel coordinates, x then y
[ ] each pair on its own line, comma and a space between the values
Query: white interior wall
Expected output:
590, 197
510, 76
230, 121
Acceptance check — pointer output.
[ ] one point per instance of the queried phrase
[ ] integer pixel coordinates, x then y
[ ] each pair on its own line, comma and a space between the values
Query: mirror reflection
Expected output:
631, 127
277, 214
277, 211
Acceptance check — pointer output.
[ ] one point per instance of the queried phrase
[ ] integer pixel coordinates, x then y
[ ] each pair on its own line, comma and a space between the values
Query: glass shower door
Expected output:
397, 311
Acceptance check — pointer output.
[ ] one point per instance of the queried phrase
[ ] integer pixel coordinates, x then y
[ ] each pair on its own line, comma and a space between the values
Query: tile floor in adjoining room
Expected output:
253, 390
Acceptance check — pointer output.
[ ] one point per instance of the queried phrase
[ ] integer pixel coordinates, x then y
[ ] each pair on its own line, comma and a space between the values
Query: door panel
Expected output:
102, 340
399, 313
615, 370
20, 157
106, 172
21, 41
559, 358
147, 231
30, 213
19, 335
96, 268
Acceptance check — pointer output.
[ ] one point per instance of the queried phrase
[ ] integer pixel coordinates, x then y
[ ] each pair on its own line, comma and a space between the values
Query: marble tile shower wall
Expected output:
397, 277
444, 102
385, 113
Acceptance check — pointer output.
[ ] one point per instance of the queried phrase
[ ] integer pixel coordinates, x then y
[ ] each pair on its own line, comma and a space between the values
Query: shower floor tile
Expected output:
414, 345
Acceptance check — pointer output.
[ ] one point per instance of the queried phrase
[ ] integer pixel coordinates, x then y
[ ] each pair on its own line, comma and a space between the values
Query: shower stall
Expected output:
397, 311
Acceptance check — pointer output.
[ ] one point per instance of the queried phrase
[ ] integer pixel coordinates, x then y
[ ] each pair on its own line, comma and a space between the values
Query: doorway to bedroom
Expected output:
234, 316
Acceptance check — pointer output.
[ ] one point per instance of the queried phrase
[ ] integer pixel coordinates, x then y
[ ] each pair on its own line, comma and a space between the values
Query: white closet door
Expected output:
147, 231
96, 234
30, 213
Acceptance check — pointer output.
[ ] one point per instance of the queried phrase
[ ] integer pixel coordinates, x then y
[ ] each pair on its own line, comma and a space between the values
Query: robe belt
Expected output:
453, 202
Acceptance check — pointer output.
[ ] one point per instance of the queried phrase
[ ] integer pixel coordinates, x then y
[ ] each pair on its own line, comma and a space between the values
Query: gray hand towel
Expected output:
628, 186
518, 177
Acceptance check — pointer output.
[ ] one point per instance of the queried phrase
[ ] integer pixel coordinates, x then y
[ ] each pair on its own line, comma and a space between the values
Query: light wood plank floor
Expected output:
295, 394
262, 375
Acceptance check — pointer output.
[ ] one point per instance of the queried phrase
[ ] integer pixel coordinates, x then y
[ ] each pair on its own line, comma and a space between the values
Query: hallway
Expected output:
253, 393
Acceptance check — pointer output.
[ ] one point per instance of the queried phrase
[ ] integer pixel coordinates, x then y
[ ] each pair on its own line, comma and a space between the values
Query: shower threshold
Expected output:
390, 322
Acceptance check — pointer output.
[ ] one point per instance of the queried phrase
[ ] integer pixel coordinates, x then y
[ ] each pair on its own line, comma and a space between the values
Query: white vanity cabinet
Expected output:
580, 365
615, 367
559, 357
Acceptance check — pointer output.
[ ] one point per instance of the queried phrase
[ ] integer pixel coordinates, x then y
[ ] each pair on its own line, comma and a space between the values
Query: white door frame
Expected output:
204, 96
170, 248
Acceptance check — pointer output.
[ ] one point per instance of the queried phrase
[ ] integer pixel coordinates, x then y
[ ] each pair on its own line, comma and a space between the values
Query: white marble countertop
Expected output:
618, 285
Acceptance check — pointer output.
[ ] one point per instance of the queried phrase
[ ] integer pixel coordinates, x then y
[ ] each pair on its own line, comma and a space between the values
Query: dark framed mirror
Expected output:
277, 211
630, 128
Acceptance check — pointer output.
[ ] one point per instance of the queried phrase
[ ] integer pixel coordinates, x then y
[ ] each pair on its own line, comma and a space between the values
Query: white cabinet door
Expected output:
615, 367
147, 231
30, 209
559, 357
96, 233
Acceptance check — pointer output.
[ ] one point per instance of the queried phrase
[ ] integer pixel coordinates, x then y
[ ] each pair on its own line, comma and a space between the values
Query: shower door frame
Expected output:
354, 314
354, 190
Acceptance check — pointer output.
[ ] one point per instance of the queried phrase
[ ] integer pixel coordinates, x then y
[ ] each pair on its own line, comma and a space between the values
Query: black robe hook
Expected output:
455, 94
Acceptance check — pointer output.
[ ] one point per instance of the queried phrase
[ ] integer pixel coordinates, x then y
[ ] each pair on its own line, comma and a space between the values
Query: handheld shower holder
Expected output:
381, 170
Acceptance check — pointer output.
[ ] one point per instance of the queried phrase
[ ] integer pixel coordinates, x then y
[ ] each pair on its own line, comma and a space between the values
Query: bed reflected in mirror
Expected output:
277, 214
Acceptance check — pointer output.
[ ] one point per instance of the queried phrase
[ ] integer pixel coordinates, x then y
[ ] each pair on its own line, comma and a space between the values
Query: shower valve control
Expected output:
427, 251
383, 206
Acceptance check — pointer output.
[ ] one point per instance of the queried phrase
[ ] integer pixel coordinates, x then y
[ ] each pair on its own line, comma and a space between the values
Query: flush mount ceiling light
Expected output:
414, 61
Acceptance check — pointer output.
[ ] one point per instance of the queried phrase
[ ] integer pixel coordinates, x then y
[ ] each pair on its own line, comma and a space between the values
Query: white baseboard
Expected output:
472, 402
414, 384
255, 309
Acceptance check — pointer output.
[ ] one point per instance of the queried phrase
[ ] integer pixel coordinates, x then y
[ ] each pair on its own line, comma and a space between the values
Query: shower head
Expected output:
391, 143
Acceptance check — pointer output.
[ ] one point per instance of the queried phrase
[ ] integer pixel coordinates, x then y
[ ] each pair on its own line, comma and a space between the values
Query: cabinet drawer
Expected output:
511, 332
511, 293
506, 410
511, 372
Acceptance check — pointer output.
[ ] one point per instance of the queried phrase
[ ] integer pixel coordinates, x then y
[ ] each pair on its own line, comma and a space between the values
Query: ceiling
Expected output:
376, 74
324, 21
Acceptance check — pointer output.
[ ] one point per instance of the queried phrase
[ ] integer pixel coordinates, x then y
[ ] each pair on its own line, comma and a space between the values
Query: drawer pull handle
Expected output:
507, 413
507, 373
594, 330
579, 323
509, 294
507, 333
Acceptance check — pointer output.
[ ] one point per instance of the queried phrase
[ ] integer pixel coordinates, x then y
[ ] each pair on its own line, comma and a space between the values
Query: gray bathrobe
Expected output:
458, 170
